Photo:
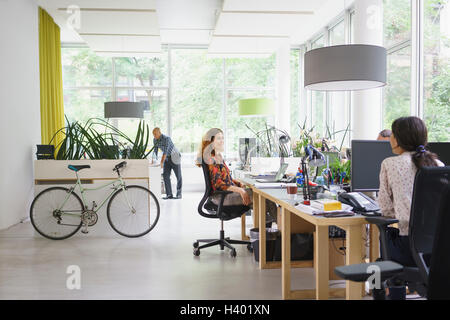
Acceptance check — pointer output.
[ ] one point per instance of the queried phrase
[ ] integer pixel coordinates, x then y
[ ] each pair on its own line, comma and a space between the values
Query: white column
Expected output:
283, 87
367, 104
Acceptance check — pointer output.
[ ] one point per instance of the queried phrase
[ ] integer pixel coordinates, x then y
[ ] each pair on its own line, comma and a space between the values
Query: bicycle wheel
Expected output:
133, 212
52, 221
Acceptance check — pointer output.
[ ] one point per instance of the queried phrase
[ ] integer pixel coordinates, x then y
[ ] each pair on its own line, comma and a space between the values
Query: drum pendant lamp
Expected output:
345, 67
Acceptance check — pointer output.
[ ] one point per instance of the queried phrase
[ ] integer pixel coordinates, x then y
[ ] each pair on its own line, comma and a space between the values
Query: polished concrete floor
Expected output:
160, 265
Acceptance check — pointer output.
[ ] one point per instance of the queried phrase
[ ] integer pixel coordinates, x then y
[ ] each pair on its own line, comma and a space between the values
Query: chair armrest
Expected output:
382, 224
381, 221
362, 272
221, 192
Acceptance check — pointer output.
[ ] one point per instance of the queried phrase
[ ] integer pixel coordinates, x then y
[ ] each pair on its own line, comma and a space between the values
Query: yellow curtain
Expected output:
50, 70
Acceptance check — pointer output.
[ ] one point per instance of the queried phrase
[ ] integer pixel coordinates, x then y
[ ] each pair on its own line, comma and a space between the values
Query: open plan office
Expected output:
216, 150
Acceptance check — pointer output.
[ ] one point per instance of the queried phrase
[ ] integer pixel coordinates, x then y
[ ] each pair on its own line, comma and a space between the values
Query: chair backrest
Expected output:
428, 195
207, 194
439, 280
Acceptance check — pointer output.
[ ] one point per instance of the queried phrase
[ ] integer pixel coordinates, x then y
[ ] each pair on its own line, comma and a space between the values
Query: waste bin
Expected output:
271, 236
302, 247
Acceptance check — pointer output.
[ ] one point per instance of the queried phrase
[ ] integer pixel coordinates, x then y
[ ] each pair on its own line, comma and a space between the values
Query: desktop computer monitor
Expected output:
442, 149
367, 156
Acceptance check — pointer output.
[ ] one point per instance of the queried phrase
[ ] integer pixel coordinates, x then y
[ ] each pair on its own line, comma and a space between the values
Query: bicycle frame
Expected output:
82, 190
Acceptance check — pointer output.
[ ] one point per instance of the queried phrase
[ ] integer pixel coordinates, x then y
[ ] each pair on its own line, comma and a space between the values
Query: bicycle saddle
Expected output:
78, 168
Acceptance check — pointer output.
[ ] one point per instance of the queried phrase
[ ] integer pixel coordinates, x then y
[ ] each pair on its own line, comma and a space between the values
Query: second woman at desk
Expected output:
211, 152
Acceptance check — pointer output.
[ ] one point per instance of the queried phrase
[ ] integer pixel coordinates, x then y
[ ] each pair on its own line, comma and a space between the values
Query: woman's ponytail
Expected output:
412, 135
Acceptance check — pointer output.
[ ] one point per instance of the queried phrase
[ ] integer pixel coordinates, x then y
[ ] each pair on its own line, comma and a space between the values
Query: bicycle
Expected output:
57, 213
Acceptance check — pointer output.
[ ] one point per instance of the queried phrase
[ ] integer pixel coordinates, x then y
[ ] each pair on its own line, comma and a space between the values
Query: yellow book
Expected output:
326, 204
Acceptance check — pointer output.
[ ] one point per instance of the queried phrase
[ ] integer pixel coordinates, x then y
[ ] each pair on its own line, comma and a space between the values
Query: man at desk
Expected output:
384, 135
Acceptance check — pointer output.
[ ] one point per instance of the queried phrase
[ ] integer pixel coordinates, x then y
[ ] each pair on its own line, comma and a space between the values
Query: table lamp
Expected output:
124, 109
315, 159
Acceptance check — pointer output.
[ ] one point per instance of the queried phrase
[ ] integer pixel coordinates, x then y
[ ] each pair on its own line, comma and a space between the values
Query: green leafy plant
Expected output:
270, 142
341, 171
93, 141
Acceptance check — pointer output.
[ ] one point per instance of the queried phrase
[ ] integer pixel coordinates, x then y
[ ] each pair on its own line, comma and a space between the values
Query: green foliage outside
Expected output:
397, 28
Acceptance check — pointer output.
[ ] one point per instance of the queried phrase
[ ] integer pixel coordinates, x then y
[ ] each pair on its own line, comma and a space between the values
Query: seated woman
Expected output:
408, 140
210, 152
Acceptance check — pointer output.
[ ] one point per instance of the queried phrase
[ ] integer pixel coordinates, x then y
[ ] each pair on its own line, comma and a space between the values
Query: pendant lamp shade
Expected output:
124, 109
256, 107
345, 67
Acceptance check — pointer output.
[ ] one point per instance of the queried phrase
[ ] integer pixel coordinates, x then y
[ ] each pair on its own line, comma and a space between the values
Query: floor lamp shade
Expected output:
345, 67
124, 109
256, 107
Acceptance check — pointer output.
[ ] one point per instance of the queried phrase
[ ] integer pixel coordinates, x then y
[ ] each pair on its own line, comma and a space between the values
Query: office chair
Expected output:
221, 212
428, 236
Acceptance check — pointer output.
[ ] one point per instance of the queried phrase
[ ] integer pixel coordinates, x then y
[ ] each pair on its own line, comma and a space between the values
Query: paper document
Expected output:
268, 185
312, 210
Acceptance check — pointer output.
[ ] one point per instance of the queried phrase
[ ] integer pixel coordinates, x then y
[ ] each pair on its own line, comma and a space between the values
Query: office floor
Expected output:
158, 266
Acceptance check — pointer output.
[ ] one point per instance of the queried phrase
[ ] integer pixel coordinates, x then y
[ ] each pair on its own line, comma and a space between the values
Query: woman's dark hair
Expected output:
412, 135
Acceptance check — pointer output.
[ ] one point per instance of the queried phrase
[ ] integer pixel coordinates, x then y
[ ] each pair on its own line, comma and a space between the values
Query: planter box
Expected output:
50, 173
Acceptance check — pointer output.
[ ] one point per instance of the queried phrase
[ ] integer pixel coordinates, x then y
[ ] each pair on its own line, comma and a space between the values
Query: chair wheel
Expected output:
196, 252
233, 253
250, 247
195, 244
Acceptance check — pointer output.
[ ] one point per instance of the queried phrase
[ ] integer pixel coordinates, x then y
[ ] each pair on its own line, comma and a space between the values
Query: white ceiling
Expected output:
225, 26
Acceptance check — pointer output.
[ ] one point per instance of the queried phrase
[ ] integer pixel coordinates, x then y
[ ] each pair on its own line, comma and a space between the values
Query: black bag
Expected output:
302, 247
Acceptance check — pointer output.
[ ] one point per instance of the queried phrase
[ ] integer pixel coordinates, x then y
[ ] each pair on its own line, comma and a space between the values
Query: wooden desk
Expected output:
354, 237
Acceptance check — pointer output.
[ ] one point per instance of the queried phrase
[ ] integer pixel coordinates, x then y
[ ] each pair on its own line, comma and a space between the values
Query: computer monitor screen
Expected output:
367, 156
442, 149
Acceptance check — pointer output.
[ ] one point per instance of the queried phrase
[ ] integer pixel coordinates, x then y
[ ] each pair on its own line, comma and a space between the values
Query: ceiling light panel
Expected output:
119, 22
260, 24
123, 43
246, 45
185, 36
105, 4
275, 6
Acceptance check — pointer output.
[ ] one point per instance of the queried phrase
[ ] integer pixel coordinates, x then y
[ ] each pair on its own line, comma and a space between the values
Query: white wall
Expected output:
19, 107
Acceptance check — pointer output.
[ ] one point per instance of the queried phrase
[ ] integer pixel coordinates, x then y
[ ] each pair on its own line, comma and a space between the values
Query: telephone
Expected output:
360, 203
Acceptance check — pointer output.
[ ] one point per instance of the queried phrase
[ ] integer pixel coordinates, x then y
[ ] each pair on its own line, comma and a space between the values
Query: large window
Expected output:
437, 69
338, 107
185, 100
397, 40
318, 98
197, 94
295, 93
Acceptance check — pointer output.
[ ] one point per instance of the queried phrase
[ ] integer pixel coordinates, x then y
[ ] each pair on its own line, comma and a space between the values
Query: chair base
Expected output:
222, 242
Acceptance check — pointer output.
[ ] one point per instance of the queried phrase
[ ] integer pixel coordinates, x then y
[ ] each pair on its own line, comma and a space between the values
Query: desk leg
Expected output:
374, 243
243, 235
286, 253
255, 209
354, 239
262, 232
321, 263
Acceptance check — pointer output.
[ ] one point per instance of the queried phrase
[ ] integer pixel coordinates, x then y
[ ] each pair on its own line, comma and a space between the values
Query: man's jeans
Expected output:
169, 165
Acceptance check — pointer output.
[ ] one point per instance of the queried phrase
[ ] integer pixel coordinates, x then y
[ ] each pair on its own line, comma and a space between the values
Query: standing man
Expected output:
170, 160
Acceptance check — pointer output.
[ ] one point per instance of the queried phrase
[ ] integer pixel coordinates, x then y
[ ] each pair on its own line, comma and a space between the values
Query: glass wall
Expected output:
338, 108
437, 69
397, 40
203, 93
318, 98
